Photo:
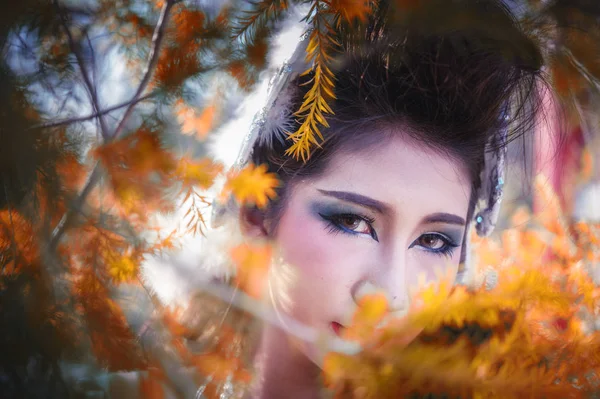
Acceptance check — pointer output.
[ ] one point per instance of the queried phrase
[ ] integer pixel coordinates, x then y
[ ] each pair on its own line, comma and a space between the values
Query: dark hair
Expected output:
446, 88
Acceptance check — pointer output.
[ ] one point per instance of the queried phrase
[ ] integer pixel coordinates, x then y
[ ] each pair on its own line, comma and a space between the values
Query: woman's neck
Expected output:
282, 371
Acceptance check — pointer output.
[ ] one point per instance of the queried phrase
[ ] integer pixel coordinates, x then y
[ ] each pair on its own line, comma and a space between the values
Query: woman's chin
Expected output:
325, 343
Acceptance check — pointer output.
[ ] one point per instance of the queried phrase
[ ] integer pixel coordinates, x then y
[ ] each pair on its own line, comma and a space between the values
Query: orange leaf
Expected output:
252, 266
198, 173
253, 185
194, 123
123, 268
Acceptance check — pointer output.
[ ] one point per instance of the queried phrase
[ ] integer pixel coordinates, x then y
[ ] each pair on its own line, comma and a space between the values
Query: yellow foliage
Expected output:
109, 253
136, 165
123, 268
253, 185
200, 173
532, 335
314, 107
113, 343
17, 238
371, 311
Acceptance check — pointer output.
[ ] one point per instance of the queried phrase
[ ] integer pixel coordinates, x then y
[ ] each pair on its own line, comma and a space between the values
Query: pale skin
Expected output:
375, 221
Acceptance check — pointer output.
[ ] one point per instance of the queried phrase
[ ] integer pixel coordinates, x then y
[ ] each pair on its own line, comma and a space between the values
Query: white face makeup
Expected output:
375, 220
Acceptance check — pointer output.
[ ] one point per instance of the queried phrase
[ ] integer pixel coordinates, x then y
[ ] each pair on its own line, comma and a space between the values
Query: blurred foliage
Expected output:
526, 325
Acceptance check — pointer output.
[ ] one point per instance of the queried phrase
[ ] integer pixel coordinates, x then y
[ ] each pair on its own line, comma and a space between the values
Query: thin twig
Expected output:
157, 39
95, 79
94, 115
257, 16
60, 228
86, 78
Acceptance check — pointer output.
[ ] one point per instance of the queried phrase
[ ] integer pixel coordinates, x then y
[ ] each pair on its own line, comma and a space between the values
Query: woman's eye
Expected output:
354, 223
351, 224
436, 243
432, 241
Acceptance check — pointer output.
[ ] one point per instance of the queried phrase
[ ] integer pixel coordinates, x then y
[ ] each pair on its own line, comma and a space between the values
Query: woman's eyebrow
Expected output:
358, 199
441, 217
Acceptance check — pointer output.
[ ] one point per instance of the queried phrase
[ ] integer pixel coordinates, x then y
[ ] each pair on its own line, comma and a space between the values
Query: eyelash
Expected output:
446, 250
334, 226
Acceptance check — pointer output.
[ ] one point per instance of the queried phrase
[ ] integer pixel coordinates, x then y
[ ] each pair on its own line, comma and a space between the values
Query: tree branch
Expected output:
157, 38
94, 115
86, 78
94, 176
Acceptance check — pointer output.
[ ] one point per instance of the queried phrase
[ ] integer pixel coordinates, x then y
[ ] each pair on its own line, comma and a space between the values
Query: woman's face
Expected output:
373, 221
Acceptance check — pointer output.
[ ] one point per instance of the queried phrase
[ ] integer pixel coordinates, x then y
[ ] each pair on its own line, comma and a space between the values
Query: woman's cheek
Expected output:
306, 245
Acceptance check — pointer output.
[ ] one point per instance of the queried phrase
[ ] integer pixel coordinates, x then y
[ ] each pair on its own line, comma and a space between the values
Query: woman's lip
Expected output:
337, 328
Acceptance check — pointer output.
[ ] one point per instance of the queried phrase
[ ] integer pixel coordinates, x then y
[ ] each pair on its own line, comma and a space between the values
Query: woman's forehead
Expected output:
400, 173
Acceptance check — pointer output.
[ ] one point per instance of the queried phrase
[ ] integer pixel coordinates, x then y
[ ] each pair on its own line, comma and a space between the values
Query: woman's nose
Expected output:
394, 289
386, 273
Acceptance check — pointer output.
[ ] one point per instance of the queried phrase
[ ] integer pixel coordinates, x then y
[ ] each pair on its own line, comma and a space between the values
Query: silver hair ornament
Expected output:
274, 120
492, 182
